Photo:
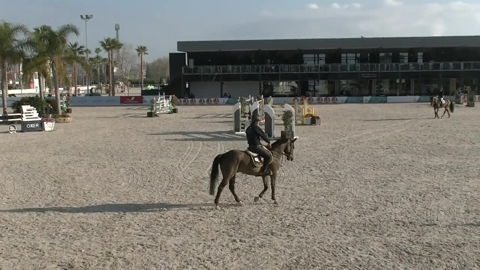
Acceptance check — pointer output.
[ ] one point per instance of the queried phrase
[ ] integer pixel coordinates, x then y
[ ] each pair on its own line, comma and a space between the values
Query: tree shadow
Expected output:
202, 136
391, 119
138, 108
211, 115
135, 116
115, 208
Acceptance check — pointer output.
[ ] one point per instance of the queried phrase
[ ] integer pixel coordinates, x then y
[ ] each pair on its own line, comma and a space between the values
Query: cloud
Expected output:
312, 6
336, 6
356, 5
352, 20
393, 3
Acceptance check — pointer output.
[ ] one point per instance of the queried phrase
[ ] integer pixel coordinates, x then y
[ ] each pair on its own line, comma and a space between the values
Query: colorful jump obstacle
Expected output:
29, 120
161, 105
241, 117
304, 114
258, 106
242, 120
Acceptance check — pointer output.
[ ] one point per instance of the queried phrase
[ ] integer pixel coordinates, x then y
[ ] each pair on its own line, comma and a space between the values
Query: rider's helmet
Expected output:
255, 117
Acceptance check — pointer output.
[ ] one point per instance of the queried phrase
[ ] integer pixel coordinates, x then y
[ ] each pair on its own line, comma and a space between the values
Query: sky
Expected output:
159, 24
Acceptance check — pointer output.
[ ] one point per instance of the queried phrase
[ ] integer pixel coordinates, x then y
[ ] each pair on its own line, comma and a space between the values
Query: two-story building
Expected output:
326, 67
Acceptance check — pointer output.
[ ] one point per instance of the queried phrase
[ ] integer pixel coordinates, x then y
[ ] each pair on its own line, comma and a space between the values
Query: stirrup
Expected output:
268, 172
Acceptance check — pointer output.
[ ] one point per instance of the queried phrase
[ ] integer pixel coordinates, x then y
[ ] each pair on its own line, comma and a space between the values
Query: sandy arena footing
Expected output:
374, 187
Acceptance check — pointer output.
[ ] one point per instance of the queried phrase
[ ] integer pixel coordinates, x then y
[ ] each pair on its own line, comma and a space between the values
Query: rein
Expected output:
278, 153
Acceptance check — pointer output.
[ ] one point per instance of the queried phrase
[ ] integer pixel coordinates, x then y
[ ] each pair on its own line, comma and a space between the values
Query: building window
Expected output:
404, 57
350, 58
314, 59
420, 57
385, 58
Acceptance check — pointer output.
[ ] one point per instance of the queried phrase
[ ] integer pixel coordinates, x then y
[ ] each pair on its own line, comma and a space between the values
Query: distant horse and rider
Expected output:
250, 162
440, 102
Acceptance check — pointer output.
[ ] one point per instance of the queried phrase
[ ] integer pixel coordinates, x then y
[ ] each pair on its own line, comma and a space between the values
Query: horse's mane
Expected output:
279, 142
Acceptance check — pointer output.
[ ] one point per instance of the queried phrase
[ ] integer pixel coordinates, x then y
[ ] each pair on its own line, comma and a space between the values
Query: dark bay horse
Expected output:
238, 161
447, 104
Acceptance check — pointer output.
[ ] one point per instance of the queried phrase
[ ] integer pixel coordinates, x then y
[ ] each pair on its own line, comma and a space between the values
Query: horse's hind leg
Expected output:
445, 112
227, 175
265, 188
231, 186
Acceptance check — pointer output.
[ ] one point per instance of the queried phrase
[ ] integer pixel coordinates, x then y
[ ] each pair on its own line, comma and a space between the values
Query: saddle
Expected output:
256, 159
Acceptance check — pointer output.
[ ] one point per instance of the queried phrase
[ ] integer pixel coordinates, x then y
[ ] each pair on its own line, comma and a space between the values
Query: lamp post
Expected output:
86, 18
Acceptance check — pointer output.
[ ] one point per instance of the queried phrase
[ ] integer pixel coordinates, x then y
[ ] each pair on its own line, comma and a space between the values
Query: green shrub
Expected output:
35, 102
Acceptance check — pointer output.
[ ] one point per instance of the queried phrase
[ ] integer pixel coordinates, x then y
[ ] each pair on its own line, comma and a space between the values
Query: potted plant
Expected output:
458, 96
63, 118
312, 119
288, 125
153, 108
243, 107
174, 101
68, 103
471, 98
48, 123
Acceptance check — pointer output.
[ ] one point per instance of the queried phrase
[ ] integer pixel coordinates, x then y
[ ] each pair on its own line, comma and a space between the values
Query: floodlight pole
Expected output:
86, 18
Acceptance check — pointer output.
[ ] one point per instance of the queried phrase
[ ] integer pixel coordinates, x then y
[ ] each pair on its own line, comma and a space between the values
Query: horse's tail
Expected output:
214, 173
452, 106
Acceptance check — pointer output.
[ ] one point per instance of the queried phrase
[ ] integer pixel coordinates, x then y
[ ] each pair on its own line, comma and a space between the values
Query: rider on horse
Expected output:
254, 133
440, 95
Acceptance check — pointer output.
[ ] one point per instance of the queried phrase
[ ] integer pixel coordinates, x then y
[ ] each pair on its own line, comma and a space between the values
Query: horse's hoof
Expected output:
256, 199
240, 203
217, 207
275, 202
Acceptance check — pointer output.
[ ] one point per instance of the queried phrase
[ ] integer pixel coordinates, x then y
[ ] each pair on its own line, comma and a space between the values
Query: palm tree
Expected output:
104, 67
110, 45
55, 43
37, 62
141, 50
10, 52
98, 62
75, 50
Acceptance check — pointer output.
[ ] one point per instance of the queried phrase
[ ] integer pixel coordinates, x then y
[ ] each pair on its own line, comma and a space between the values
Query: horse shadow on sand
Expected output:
201, 136
118, 208
212, 116
392, 119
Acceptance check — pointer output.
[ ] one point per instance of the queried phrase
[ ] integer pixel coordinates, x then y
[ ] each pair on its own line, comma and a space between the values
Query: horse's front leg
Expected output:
444, 112
265, 188
273, 179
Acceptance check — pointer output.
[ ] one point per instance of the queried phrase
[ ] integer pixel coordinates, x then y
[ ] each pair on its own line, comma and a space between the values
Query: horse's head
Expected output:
288, 150
284, 147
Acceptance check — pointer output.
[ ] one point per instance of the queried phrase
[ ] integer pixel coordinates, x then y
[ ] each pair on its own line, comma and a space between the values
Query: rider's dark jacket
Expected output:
254, 133
440, 94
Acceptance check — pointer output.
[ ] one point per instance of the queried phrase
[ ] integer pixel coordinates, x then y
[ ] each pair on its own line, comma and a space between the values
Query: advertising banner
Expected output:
129, 100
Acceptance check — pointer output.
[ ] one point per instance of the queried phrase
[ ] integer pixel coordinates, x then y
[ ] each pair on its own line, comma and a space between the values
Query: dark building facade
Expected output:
326, 67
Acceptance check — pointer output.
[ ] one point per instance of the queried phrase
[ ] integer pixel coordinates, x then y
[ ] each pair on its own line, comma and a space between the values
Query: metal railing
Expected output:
333, 68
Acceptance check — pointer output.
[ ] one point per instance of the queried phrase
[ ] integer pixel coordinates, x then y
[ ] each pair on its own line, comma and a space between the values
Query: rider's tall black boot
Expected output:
264, 170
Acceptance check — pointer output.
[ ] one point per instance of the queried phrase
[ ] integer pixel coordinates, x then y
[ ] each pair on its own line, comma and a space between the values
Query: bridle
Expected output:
282, 154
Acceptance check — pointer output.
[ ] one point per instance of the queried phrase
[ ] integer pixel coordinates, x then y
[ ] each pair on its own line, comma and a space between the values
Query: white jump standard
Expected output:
30, 121
239, 123
270, 120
